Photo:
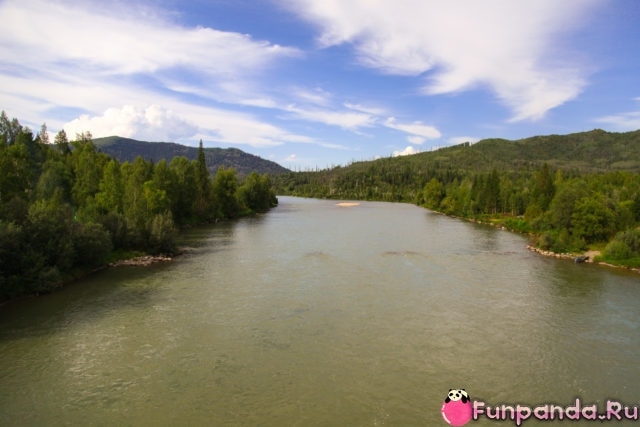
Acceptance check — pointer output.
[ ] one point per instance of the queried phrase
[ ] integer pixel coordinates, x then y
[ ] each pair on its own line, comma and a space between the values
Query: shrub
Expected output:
162, 234
617, 250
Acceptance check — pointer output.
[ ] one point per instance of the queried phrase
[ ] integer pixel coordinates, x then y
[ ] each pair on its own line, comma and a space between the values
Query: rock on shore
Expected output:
141, 261
586, 257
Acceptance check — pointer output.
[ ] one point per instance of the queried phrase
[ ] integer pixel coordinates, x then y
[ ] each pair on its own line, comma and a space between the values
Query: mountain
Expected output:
126, 149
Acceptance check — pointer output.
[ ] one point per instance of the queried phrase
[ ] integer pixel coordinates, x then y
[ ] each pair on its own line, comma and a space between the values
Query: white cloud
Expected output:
374, 111
417, 140
622, 122
127, 68
418, 131
153, 123
156, 123
121, 42
345, 119
409, 150
317, 96
509, 46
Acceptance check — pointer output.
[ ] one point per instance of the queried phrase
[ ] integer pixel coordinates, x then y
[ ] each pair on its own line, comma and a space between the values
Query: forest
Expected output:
569, 193
67, 208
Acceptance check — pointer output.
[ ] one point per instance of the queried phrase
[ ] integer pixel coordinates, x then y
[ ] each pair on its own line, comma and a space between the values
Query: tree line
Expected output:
564, 210
66, 207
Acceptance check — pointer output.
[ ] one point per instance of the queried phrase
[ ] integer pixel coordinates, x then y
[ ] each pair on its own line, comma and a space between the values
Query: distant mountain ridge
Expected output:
127, 149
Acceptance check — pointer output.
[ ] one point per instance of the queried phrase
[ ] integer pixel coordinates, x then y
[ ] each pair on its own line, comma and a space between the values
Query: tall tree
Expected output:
543, 189
225, 185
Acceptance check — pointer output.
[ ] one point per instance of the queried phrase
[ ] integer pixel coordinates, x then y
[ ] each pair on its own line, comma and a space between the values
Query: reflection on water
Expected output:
317, 314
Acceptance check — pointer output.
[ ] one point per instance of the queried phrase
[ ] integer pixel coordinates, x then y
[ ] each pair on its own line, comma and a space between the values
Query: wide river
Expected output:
316, 314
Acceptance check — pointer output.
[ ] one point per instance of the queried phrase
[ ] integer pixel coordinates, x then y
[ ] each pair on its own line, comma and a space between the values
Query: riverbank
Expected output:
141, 261
588, 256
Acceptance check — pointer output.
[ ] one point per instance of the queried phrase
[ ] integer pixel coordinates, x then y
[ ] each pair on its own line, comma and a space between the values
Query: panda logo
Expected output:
456, 409
455, 395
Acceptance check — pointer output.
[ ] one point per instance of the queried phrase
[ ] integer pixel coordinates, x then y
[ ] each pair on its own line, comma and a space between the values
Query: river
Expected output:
316, 314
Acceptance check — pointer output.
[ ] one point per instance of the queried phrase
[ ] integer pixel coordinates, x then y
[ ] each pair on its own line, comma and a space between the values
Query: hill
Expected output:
403, 178
587, 152
126, 149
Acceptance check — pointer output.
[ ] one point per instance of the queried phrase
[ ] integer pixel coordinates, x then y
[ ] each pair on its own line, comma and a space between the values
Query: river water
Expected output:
319, 314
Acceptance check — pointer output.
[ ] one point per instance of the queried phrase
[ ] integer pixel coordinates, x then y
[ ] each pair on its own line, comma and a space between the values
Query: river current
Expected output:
317, 314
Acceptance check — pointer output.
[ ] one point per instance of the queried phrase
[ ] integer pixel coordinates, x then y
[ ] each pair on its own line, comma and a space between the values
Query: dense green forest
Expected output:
66, 207
568, 192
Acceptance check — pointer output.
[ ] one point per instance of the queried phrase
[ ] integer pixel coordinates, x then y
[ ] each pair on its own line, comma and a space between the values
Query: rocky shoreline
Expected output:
141, 261
588, 256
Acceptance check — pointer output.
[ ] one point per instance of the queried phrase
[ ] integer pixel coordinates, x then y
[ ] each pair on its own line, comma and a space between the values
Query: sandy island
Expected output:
347, 204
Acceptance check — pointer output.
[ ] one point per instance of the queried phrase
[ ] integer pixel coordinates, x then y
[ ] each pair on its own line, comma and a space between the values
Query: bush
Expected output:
617, 250
517, 224
162, 234
92, 244
631, 238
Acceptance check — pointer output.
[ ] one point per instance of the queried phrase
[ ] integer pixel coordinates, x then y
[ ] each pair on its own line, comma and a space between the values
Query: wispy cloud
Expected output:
418, 132
129, 71
505, 45
349, 120
61, 34
622, 122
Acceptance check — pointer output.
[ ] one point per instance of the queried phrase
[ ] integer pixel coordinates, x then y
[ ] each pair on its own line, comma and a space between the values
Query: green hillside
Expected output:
587, 152
126, 149
403, 178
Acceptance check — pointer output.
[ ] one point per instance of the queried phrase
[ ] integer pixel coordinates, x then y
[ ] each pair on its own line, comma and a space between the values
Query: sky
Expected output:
314, 84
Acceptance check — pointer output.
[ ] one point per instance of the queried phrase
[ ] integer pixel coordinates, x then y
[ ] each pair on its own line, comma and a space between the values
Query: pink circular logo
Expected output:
456, 409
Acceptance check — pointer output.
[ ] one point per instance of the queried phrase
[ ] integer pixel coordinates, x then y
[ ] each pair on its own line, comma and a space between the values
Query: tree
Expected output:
16, 173
186, 192
592, 219
225, 185
62, 143
202, 173
256, 193
43, 135
92, 244
492, 192
543, 189
433, 193
134, 203
563, 204
87, 165
56, 181
203, 207
9, 129
111, 191
162, 233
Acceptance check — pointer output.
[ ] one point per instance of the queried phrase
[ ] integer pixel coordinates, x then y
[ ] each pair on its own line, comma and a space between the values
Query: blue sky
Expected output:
310, 83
